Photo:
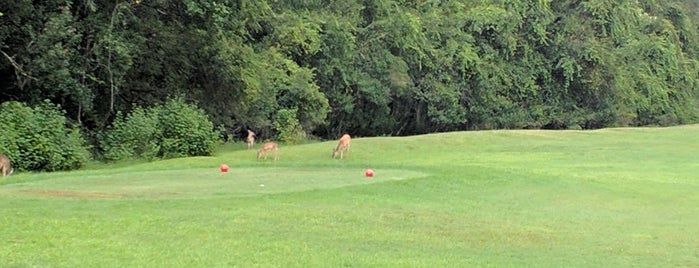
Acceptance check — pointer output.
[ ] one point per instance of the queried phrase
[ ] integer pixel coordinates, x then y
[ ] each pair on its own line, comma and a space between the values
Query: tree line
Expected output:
369, 67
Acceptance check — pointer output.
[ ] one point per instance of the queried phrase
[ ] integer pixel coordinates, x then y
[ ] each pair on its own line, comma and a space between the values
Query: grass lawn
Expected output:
504, 198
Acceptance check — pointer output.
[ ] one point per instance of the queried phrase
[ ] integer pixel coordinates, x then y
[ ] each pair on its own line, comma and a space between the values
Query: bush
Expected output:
175, 129
39, 138
288, 126
186, 130
133, 136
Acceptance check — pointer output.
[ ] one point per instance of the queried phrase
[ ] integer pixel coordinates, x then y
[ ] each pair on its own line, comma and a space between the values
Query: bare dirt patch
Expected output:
70, 194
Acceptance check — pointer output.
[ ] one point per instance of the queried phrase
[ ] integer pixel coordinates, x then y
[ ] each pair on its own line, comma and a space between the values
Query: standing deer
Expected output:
266, 147
5, 165
250, 139
343, 145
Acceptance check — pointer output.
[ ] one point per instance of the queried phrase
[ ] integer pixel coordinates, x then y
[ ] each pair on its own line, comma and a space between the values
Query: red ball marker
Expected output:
369, 172
224, 168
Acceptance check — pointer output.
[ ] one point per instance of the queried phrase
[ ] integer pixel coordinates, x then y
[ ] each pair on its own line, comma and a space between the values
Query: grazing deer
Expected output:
250, 139
343, 146
5, 165
266, 147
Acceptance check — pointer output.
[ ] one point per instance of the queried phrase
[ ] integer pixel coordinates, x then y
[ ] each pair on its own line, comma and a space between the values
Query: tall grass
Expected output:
605, 198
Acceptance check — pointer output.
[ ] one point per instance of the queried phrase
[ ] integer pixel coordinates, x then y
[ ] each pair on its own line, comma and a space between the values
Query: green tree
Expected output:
370, 67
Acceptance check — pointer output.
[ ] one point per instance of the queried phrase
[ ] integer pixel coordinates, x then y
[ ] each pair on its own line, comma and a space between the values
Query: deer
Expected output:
266, 147
5, 165
250, 139
343, 145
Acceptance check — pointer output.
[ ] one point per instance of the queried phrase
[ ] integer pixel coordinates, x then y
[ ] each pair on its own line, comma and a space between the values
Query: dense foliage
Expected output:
40, 137
174, 129
370, 67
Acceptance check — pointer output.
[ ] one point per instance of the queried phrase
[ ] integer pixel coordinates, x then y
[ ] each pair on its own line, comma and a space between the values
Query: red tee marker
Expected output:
224, 168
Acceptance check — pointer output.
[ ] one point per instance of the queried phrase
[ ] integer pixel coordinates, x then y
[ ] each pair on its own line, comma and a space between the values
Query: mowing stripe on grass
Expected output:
202, 183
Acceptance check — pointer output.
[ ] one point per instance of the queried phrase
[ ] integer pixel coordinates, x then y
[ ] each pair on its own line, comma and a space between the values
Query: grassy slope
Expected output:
615, 197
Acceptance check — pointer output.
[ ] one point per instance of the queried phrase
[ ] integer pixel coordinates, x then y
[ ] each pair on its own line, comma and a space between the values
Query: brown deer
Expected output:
250, 139
5, 165
343, 145
266, 147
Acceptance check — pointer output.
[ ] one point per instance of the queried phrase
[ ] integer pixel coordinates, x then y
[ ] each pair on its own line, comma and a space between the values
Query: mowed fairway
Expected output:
533, 198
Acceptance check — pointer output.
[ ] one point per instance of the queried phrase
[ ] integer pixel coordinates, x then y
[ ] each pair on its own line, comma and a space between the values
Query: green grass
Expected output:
533, 198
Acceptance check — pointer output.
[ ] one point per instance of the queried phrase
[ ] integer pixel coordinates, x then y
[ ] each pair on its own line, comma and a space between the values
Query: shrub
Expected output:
133, 136
39, 138
175, 129
288, 126
186, 130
